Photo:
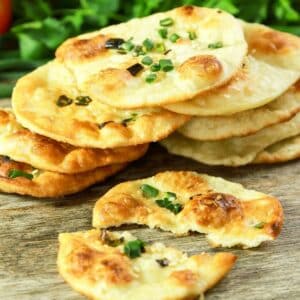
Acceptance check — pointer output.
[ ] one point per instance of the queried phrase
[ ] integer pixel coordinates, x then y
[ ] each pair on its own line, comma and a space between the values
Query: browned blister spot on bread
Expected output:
119, 209
185, 277
272, 42
297, 86
214, 209
96, 265
82, 49
206, 67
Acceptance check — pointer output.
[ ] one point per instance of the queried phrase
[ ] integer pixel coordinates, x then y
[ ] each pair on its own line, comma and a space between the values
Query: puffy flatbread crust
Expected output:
272, 46
50, 184
282, 151
101, 272
256, 84
22, 145
226, 212
102, 73
246, 122
94, 125
235, 151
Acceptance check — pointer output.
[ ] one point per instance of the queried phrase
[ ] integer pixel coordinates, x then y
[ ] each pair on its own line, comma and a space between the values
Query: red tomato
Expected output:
5, 15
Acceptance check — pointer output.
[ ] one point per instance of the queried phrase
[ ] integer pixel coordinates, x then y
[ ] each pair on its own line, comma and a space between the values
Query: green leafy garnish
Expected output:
166, 22
14, 173
151, 78
106, 239
163, 32
216, 45
83, 100
138, 50
149, 191
148, 44
128, 45
155, 67
134, 249
147, 60
160, 47
63, 100
171, 196
174, 37
166, 65
130, 119
166, 203
259, 225
192, 35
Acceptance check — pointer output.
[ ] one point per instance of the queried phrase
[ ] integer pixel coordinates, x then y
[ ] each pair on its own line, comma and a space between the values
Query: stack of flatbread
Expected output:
254, 117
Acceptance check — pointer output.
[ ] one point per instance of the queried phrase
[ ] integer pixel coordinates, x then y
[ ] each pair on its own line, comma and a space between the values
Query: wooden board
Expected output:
29, 229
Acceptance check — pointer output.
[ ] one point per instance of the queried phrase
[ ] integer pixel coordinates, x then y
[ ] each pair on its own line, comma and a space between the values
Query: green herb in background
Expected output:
40, 26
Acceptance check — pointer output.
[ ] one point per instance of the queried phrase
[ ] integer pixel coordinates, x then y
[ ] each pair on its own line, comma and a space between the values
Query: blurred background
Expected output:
31, 30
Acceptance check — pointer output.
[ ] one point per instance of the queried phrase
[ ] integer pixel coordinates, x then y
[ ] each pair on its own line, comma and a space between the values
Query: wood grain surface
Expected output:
29, 229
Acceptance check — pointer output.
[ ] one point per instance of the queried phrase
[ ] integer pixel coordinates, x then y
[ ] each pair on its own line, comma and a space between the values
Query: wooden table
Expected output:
29, 229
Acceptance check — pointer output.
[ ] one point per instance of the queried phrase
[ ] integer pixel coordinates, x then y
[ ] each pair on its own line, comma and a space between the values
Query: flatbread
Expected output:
94, 125
43, 153
234, 151
102, 73
102, 272
244, 123
255, 85
226, 212
272, 46
49, 184
282, 151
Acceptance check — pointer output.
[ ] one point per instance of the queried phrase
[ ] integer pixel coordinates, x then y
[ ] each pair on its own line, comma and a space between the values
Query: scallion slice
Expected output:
192, 35
147, 60
163, 32
149, 191
148, 44
151, 78
14, 173
174, 37
155, 67
166, 22
166, 65
63, 100
134, 249
216, 45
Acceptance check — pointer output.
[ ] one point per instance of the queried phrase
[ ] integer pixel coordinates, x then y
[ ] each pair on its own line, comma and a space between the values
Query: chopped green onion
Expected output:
114, 43
171, 196
174, 37
130, 119
106, 239
151, 78
192, 35
215, 45
155, 68
166, 203
160, 47
149, 191
63, 100
163, 32
14, 173
164, 262
127, 46
166, 22
148, 44
83, 100
133, 249
166, 65
138, 50
260, 225
147, 60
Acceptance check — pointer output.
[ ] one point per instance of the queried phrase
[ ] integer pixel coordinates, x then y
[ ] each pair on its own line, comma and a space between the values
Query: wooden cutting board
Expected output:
29, 229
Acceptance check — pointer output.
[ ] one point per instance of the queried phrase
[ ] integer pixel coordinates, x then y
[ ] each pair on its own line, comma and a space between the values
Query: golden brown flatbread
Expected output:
97, 265
23, 179
182, 202
22, 145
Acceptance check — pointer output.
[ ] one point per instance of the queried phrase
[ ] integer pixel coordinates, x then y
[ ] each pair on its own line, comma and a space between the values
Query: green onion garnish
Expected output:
160, 47
138, 50
148, 44
166, 203
151, 78
259, 225
215, 45
147, 60
63, 100
155, 68
174, 37
149, 191
166, 22
163, 32
166, 65
130, 119
127, 46
106, 239
134, 249
192, 35
83, 100
171, 196
14, 173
